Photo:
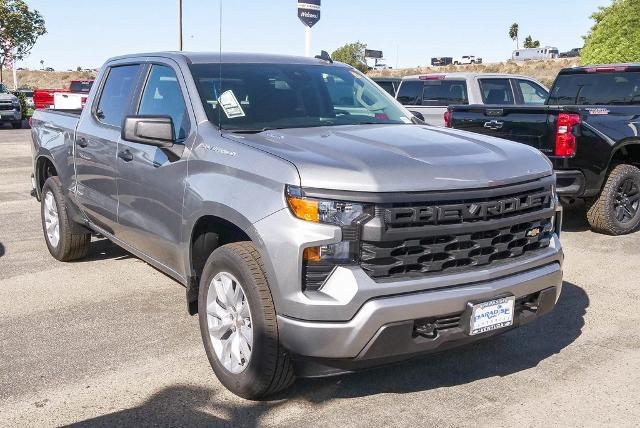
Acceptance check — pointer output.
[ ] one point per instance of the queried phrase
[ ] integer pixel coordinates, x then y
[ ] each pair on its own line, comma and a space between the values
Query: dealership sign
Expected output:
309, 12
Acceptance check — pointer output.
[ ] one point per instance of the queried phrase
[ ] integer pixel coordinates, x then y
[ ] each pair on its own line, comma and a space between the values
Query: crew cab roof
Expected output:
463, 75
630, 66
229, 57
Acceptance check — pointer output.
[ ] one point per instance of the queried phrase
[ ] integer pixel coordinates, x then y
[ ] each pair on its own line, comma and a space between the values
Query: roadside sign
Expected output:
309, 12
368, 53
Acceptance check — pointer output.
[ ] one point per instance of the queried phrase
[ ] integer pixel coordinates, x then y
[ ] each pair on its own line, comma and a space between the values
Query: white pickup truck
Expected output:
467, 59
431, 94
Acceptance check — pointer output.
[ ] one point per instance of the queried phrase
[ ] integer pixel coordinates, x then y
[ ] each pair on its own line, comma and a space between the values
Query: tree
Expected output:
530, 43
20, 27
615, 36
352, 54
513, 34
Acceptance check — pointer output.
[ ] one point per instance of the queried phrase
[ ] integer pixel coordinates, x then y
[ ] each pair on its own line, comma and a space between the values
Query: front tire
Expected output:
17, 125
238, 323
63, 244
616, 211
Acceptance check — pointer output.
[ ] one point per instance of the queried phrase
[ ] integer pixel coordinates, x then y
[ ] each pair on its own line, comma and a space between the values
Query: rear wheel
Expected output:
238, 323
616, 211
63, 244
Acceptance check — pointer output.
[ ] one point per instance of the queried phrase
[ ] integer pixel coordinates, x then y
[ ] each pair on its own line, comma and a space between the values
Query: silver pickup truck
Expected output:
431, 94
318, 227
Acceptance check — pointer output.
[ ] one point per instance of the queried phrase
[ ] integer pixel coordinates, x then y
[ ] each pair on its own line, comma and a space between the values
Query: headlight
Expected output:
338, 213
15, 103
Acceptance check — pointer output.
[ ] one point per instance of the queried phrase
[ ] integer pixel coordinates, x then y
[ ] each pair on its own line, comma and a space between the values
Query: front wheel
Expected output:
238, 323
17, 125
616, 211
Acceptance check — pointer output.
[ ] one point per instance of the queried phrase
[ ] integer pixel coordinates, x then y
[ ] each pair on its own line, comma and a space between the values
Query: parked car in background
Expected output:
45, 98
590, 129
317, 229
431, 94
51, 69
441, 61
547, 52
467, 59
573, 53
10, 111
389, 84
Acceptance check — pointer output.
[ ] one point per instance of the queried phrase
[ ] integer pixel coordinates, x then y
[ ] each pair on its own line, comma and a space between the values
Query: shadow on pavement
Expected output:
574, 217
104, 249
1, 249
517, 350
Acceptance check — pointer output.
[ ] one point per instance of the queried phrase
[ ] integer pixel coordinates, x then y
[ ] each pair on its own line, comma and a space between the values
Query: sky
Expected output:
87, 32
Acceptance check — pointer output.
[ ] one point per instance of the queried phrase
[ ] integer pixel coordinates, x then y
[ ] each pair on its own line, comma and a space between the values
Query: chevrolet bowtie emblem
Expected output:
532, 233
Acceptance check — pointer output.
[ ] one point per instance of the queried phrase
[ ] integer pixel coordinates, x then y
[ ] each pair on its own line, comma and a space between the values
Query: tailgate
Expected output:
525, 124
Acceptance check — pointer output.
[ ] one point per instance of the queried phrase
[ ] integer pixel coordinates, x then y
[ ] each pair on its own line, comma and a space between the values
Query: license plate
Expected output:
492, 315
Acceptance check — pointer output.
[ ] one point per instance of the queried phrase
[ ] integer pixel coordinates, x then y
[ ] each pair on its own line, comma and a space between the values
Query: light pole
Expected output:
180, 25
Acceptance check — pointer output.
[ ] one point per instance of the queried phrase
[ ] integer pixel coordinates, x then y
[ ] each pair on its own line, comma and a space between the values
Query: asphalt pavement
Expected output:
107, 341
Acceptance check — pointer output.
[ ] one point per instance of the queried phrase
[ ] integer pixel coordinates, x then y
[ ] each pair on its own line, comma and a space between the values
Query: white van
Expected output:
547, 52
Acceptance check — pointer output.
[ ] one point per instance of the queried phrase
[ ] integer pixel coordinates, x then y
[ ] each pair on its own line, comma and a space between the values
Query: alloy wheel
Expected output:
627, 201
51, 219
229, 322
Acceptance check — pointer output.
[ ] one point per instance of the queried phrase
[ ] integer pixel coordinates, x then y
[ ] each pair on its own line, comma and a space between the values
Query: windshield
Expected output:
3, 89
255, 97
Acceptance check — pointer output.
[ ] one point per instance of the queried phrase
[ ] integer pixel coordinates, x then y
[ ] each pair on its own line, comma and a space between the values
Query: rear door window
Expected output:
162, 96
81, 86
388, 86
622, 88
444, 92
116, 94
496, 91
532, 93
410, 92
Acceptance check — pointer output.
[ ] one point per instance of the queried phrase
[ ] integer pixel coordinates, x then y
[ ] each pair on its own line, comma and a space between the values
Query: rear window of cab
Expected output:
433, 92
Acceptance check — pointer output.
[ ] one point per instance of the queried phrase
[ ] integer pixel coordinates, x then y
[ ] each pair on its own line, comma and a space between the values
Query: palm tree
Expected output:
513, 34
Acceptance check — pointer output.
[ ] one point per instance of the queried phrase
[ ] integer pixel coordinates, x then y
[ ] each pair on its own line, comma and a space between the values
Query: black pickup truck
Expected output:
589, 128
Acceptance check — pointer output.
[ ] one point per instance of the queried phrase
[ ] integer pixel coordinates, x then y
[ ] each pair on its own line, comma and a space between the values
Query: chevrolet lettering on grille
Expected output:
463, 212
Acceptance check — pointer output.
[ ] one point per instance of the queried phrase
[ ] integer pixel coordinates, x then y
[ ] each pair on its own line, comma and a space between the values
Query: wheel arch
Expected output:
230, 226
45, 167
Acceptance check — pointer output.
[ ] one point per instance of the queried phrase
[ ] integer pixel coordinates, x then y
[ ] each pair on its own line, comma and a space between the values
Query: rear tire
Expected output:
261, 366
63, 244
616, 211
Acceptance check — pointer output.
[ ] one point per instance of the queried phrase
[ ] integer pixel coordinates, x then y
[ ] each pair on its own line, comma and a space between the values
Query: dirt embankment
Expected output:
544, 71
33, 79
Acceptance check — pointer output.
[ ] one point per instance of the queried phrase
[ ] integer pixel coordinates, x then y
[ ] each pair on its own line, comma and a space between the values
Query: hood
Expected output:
4, 96
392, 158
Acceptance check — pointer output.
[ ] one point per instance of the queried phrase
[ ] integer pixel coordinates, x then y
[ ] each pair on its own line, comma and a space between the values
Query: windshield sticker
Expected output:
230, 105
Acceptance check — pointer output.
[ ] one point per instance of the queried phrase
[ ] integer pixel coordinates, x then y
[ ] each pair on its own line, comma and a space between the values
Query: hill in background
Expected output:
34, 79
543, 71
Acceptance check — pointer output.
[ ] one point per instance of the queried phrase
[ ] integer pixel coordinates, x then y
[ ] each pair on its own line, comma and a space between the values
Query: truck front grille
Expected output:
451, 253
6, 105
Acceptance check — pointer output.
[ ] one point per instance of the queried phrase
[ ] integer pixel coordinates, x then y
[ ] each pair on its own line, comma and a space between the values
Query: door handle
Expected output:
82, 142
125, 155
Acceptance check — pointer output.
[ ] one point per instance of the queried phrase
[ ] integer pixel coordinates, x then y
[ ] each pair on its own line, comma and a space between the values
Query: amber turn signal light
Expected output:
311, 254
305, 209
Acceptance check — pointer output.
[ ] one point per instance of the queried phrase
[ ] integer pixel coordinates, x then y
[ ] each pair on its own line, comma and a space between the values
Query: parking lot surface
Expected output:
107, 341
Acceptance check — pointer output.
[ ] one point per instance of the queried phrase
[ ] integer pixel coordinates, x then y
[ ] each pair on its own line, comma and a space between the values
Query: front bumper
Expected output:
7, 116
384, 328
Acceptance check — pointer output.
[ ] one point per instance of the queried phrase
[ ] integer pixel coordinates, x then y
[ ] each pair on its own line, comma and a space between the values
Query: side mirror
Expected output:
417, 115
152, 130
